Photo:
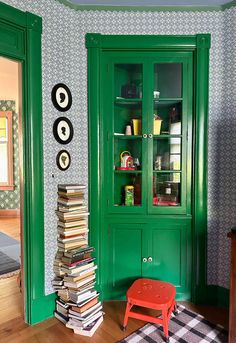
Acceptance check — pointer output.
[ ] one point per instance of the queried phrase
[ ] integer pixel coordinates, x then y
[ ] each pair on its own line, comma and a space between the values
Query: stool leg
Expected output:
128, 308
165, 325
175, 309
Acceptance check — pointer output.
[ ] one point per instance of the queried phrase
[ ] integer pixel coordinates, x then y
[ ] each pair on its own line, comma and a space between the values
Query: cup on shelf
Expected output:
156, 94
128, 130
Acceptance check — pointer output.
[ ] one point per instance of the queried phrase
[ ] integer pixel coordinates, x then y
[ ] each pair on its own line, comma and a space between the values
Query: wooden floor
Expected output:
13, 328
11, 227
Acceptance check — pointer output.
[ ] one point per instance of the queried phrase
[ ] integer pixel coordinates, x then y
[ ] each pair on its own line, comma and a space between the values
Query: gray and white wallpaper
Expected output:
64, 59
11, 199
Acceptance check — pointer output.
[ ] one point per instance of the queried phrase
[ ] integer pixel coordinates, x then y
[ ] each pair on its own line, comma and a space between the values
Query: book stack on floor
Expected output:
78, 306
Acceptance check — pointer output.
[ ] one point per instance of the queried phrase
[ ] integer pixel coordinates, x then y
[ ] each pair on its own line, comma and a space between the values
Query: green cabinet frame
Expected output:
198, 45
20, 40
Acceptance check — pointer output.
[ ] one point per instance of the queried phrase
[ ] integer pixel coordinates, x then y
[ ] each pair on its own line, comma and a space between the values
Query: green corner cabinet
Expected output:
148, 102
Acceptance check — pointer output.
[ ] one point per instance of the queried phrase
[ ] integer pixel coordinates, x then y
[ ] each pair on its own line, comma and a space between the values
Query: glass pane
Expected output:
166, 189
4, 163
167, 117
167, 153
128, 80
168, 80
127, 189
3, 128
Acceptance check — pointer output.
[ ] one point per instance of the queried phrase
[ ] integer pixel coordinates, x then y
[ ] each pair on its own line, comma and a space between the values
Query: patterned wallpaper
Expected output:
64, 60
11, 199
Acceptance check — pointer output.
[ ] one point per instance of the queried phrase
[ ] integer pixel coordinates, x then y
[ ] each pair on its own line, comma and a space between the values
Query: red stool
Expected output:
154, 294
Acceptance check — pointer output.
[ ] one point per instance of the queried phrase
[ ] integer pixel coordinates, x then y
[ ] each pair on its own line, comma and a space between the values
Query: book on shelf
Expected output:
76, 278
69, 202
77, 268
86, 313
62, 310
70, 260
79, 323
74, 224
73, 238
61, 317
64, 233
90, 329
77, 252
72, 303
79, 283
83, 287
71, 245
71, 208
71, 215
80, 291
80, 262
85, 307
62, 303
71, 186
78, 298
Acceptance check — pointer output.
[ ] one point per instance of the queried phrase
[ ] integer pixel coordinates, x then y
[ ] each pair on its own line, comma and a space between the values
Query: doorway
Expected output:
11, 258
20, 40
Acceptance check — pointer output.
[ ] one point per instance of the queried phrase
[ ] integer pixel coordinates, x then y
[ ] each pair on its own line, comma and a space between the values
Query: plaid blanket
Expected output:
186, 327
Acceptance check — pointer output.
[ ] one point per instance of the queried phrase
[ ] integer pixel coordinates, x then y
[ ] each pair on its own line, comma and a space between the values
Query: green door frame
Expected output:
20, 40
198, 44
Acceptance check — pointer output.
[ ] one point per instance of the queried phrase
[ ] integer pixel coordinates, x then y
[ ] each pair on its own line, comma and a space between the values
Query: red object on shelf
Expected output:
154, 294
125, 168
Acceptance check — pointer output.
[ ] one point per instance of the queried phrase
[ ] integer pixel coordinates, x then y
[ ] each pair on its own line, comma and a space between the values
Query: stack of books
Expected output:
78, 306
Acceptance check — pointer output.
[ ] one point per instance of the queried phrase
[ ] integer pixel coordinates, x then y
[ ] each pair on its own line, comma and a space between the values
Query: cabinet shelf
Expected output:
167, 101
167, 171
166, 136
128, 171
128, 101
123, 136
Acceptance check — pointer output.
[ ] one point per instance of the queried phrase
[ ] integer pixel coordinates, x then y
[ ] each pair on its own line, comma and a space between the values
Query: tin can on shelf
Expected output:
129, 195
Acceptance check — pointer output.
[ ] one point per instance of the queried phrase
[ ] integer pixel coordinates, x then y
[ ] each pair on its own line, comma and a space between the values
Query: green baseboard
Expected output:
42, 308
218, 296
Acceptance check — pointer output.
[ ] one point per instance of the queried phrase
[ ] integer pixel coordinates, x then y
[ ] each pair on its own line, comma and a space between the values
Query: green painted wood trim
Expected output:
15, 16
94, 150
200, 169
217, 296
33, 162
29, 26
157, 42
78, 7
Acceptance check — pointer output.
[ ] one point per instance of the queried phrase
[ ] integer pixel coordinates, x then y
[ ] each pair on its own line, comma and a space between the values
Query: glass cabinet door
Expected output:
125, 127
168, 145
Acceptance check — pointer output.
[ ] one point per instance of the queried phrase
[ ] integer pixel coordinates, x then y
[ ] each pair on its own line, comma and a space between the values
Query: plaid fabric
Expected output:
185, 327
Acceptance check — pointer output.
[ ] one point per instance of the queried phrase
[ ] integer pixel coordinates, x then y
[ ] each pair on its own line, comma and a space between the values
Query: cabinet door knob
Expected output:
150, 135
149, 259
144, 135
144, 259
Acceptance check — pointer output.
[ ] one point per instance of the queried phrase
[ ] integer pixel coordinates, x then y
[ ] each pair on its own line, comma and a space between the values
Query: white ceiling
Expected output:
145, 3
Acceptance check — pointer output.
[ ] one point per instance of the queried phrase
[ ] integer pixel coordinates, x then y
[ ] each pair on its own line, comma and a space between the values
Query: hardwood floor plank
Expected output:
11, 227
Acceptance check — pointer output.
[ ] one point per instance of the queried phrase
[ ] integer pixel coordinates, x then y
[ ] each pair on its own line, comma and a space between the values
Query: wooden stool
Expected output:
154, 294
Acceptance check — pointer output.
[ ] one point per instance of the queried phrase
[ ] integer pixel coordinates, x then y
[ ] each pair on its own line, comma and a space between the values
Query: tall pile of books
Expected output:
78, 305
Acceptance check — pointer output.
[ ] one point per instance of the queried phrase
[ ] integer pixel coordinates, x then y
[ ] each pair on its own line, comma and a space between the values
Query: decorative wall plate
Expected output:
61, 97
63, 130
63, 160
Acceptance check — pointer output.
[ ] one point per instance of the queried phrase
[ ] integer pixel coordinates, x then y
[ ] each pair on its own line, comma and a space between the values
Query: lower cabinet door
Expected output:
170, 252
126, 251
159, 249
